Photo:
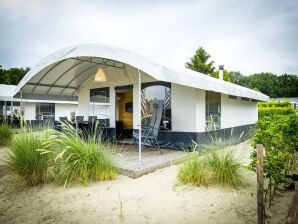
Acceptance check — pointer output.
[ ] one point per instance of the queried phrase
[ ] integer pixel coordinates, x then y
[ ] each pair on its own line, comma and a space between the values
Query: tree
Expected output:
237, 78
268, 83
226, 75
287, 86
199, 62
12, 76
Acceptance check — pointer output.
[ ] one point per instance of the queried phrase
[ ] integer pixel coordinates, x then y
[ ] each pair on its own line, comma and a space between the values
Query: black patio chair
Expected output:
150, 132
92, 119
63, 119
79, 118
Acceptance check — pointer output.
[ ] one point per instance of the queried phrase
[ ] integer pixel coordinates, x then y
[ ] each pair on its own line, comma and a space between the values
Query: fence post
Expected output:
260, 184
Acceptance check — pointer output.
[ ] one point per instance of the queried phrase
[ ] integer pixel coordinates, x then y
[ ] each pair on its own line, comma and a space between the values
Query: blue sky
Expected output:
247, 36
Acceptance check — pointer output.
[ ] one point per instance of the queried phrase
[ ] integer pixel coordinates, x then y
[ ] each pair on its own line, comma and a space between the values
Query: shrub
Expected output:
268, 109
278, 134
217, 167
269, 104
194, 171
268, 112
226, 171
77, 160
25, 159
5, 134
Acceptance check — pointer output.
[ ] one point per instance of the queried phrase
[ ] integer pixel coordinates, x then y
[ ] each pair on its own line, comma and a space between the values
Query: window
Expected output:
233, 97
157, 92
45, 111
244, 98
7, 109
2, 108
100, 102
213, 110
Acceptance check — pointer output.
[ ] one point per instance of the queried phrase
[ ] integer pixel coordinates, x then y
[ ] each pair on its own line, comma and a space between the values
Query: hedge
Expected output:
274, 104
269, 112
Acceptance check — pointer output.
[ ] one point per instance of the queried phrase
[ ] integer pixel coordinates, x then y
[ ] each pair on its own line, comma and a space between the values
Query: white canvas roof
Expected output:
62, 72
7, 92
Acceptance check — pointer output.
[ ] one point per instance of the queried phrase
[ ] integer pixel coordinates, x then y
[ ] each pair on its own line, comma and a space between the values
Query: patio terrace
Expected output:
126, 157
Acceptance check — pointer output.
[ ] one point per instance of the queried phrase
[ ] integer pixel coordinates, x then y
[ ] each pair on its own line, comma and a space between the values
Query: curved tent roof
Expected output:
62, 72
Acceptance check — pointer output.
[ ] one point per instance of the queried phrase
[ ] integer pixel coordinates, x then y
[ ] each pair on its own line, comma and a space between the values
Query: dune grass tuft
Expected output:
194, 171
226, 171
6, 134
213, 168
25, 159
79, 160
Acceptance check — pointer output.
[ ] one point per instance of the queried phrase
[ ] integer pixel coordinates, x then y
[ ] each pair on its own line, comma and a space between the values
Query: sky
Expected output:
247, 36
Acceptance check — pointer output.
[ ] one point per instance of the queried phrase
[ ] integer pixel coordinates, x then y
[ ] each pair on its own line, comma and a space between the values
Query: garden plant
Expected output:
277, 131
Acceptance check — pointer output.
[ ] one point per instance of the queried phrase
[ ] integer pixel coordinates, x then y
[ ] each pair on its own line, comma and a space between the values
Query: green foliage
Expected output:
268, 83
278, 134
270, 104
226, 171
268, 112
12, 76
6, 134
194, 171
273, 108
226, 75
216, 167
77, 160
25, 159
199, 62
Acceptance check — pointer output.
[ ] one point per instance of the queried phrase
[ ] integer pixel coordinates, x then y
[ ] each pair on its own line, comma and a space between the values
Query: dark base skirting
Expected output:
181, 140
220, 138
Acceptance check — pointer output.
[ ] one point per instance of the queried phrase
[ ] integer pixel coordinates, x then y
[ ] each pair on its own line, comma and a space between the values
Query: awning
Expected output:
62, 73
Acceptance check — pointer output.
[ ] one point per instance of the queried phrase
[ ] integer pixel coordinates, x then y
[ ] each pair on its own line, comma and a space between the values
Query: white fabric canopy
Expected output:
7, 92
73, 57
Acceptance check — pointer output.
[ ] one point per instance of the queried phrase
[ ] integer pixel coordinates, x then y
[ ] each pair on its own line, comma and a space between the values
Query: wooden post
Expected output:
260, 184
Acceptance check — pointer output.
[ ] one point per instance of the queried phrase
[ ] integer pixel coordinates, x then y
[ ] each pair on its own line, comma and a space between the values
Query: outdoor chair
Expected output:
63, 119
92, 119
150, 132
79, 118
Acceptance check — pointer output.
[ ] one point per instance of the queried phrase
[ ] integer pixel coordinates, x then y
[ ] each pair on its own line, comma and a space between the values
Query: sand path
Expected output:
153, 198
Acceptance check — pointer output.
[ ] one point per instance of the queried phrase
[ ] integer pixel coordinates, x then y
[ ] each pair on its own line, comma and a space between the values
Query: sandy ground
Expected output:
153, 198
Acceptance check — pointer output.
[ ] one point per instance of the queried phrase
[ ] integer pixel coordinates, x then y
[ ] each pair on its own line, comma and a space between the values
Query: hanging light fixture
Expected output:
100, 76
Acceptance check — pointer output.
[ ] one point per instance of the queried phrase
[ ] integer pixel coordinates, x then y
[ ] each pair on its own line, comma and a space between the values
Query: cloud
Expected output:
247, 36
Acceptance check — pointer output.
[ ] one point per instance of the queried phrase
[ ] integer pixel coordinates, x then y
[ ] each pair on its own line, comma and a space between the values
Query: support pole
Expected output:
140, 121
11, 112
260, 184
93, 99
5, 111
21, 110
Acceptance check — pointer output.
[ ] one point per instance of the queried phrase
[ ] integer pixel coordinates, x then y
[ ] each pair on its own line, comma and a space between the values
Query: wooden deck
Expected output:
127, 159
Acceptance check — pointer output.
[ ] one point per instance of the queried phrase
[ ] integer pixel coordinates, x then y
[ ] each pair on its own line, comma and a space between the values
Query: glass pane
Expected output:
156, 94
213, 108
45, 111
100, 103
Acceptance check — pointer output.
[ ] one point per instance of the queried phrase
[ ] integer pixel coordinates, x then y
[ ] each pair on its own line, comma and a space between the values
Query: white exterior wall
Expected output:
84, 102
237, 112
112, 113
29, 110
201, 110
64, 110
184, 108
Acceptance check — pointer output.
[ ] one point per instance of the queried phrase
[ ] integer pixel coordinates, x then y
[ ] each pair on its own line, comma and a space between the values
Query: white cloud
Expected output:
250, 36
